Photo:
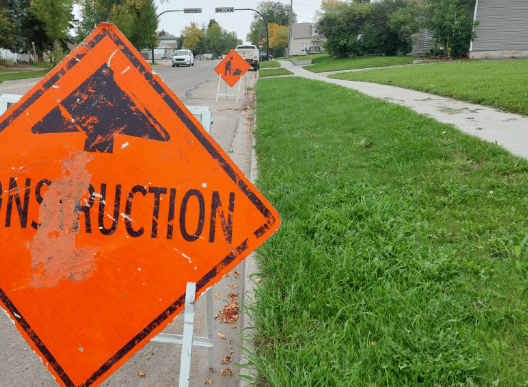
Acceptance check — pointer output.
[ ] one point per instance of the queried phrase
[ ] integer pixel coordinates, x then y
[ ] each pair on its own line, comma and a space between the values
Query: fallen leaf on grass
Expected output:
208, 381
221, 336
258, 280
141, 374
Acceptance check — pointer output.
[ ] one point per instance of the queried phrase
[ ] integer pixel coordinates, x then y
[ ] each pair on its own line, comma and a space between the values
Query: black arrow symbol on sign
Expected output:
102, 110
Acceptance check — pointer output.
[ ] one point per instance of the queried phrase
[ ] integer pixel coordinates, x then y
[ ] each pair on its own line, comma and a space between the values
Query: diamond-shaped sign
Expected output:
232, 68
113, 198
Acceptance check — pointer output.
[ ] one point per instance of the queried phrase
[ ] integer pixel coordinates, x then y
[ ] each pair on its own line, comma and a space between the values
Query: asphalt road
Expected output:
196, 86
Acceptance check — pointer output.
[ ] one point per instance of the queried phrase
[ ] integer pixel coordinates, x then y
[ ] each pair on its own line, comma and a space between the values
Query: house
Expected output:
423, 39
502, 31
305, 39
167, 44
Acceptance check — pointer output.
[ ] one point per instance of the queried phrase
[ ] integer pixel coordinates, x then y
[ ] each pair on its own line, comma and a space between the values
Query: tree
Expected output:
136, 19
214, 37
229, 41
91, 18
56, 16
278, 38
211, 22
14, 12
452, 24
192, 36
389, 27
341, 25
7, 29
143, 35
273, 12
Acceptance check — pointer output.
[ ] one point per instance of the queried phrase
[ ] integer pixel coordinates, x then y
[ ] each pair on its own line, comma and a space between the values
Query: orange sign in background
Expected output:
113, 198
232, 68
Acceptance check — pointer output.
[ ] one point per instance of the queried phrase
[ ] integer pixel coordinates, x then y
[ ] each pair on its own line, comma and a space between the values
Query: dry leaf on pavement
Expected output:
228, 358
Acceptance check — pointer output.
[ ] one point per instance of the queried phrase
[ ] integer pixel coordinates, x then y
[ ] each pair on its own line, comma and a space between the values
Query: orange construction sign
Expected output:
113, 197
232, 68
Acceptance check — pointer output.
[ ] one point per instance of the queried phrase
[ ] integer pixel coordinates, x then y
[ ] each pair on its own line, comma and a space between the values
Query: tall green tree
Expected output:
136, 19
214, 36
273, 12
14, 11
451, 22
342, 25
56, 16
389, 27
143, 35
91, 18
229, 41
7, 29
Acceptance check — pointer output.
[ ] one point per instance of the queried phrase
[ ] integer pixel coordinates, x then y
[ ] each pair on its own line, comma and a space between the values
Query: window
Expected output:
304, 46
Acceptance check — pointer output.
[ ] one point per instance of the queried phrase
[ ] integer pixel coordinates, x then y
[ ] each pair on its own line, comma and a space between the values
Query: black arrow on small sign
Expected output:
102, 110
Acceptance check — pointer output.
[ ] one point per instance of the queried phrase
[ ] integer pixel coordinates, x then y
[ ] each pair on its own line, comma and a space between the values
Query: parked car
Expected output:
183, 57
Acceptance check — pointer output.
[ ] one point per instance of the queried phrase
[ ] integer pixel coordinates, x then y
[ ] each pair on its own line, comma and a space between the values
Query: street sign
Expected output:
192, 10
225, 9
261, 43
114, 197
232, 68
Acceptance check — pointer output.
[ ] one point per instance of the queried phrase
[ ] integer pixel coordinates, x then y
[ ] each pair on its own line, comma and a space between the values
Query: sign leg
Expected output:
238, 92
218, 90
209, 300
187, 341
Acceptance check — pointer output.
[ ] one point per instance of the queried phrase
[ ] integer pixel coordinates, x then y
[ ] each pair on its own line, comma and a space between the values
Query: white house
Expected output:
305, 39
502, 32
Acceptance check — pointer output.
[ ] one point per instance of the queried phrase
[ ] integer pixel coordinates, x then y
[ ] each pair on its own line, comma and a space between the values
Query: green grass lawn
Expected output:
322, 63
9, 74
402, 257
314, 57
501, 84
269, 63
271, 72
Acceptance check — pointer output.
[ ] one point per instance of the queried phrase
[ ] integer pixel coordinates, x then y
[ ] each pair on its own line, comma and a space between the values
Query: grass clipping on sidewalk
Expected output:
401, 258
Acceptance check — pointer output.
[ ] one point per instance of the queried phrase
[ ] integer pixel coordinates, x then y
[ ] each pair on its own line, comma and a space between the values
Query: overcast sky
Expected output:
238, 21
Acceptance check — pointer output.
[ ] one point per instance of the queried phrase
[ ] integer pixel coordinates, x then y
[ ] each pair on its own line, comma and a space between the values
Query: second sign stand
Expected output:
187, 340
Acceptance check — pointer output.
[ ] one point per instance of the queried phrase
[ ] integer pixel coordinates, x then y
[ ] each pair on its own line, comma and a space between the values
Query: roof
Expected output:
167, 37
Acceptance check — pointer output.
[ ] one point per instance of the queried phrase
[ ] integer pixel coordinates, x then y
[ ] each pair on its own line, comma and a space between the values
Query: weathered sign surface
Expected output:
232, 68
112, 198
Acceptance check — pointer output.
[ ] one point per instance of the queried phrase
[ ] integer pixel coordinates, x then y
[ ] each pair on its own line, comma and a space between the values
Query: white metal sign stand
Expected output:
187, 340
226, 94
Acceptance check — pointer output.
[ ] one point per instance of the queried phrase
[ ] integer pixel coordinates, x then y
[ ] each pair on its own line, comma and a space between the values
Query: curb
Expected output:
250, 267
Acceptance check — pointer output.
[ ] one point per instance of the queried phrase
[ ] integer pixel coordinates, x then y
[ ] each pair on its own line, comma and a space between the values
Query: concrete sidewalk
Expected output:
506, 129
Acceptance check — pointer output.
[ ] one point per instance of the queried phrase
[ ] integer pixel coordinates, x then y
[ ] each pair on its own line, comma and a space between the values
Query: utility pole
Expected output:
290, 31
